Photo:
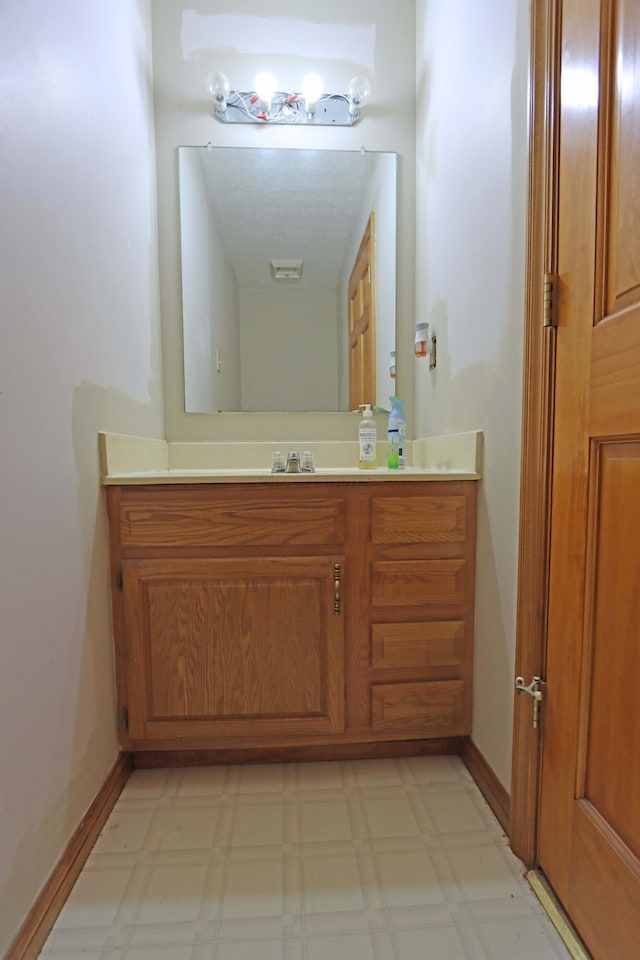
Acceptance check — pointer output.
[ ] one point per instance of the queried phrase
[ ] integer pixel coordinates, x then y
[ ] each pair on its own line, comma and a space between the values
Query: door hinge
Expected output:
119, 581
536, 690
337, 578
125, 718
549, 298
369, 272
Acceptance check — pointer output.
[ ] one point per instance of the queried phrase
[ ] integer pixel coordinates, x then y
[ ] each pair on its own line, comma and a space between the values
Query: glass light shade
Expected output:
218, 89
312, 88
265, 87
358, 91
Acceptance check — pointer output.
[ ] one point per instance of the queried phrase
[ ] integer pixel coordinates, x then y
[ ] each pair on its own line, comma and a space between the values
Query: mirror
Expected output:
286, 304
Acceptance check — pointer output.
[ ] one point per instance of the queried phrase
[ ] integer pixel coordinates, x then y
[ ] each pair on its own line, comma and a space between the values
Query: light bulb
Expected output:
358, 91
218, 89
312, 88
265, 87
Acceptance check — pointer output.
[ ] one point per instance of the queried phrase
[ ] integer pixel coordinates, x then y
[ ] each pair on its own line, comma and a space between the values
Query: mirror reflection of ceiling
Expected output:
302, 191
248, 338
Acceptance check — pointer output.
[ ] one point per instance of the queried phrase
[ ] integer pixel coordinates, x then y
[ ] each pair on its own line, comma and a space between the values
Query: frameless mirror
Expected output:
288, 278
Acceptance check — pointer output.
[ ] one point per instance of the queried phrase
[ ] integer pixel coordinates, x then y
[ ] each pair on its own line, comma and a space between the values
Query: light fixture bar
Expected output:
330, 110
327, 109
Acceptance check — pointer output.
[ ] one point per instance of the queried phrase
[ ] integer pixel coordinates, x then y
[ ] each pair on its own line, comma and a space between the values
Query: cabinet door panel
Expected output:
226, 646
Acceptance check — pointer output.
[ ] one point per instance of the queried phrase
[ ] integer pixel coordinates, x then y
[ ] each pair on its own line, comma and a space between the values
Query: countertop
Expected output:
142, 460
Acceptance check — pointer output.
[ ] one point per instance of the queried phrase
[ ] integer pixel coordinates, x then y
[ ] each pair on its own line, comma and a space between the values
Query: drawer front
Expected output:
421, 645
203, 521
418, 520
430, 708
399, 583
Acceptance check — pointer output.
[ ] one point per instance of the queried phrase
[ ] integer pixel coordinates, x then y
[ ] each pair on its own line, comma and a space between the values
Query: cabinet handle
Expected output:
336, 587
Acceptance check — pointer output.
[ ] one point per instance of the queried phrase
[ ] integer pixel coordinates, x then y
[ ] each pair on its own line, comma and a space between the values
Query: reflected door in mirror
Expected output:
362, 323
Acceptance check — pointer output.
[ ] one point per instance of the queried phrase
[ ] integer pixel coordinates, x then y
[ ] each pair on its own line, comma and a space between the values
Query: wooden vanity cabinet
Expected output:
283, 615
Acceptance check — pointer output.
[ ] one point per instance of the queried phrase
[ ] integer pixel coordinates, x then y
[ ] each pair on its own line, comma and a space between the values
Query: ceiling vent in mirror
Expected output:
286, 269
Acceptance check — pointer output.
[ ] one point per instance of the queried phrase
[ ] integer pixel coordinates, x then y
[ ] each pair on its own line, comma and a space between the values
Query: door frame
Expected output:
537, 419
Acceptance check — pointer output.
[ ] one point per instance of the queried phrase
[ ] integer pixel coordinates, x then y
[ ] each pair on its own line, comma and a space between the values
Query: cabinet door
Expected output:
233, 647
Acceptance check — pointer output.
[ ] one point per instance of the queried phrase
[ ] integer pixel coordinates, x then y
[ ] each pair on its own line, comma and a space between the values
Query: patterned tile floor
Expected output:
351, 860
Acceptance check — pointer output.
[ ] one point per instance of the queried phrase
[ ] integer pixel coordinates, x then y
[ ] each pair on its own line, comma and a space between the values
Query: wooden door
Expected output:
362, 325
233, 648
589, 841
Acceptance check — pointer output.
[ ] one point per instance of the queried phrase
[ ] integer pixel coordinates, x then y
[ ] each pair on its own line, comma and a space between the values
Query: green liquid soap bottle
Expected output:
367, 436
396, 435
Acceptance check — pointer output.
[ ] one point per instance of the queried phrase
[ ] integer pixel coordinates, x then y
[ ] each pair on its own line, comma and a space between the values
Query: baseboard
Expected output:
288, 754
42, 916
496, 795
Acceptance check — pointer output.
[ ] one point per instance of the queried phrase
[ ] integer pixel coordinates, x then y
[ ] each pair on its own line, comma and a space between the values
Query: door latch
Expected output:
535, 689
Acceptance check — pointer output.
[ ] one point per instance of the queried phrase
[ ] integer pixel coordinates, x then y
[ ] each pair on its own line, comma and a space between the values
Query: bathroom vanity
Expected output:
283, 614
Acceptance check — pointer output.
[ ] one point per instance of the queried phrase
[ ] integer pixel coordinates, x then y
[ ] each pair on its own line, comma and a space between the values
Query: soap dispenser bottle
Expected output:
367, 436
396, 435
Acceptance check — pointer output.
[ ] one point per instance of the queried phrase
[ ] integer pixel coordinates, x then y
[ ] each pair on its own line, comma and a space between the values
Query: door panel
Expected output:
621, 87
616, 346
615, 374
610, 776
590, 803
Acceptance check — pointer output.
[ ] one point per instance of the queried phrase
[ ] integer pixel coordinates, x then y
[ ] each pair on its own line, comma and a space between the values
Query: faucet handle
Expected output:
277, 462
306, 462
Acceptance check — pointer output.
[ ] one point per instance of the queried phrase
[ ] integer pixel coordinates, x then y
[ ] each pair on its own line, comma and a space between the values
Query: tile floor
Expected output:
351, 860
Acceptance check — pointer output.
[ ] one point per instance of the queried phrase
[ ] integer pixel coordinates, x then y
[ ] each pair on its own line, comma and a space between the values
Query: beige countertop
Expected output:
142, 460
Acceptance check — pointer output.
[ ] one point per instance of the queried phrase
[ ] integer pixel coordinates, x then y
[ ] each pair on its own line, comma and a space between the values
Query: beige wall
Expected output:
80, 353
81, 338
288, 349
209, 297
472, 68
338, 39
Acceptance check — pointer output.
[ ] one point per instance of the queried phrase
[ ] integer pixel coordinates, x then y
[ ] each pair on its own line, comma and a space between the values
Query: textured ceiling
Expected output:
285, 205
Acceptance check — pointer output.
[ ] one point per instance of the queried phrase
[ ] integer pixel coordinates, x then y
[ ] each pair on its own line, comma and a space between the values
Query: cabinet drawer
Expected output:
399, 583
431, 708
418, 520
208, 521
437, 644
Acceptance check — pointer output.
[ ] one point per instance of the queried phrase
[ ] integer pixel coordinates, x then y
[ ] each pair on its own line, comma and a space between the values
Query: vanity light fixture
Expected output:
266, 104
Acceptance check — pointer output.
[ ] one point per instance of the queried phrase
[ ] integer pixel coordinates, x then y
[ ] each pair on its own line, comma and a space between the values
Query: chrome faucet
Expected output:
293, 462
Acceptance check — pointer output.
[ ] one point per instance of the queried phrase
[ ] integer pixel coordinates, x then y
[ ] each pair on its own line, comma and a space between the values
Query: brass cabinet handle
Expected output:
336, 587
